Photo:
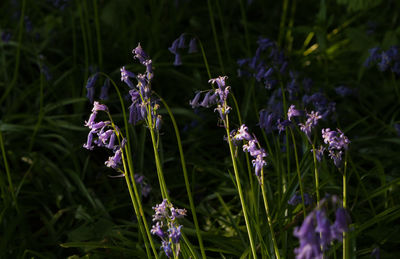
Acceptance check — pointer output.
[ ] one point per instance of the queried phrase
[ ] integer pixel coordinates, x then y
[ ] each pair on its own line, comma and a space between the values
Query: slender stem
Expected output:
316, 174
131, 172
185, 175
268, 215
238, 185
160, 174
85, 46
298, 172
3, 151
215, 37
345, 240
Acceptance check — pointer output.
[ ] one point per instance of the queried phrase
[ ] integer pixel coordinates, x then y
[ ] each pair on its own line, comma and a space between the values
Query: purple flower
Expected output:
195, 102
281, 125
335, 139
192, 46
219, 80
104, 90
99, 107
88, 144
181, 41
125, 75
139, 54
90, 87
166, 246
296, 199
311, 122
373, 56
157, 230
175, 234
177, 213
341, 224
323, 228
319, 153
114, 161
266, 120
293, 112
178, 60
242, 134
258, 164
161, 211
309, 240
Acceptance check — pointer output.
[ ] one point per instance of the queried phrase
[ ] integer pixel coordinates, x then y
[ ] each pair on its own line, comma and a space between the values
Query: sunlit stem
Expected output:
268, 215
316, 174
239, 187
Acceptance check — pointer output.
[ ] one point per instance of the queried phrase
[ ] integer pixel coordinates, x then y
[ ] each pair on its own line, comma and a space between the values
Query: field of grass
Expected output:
199, 129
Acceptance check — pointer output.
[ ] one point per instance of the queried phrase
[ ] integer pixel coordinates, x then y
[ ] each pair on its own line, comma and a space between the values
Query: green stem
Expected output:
345, 239
298, 172
3, 151
316, 174
185, 175
268, 215
85, 46
131, 172
215, 37
238, 185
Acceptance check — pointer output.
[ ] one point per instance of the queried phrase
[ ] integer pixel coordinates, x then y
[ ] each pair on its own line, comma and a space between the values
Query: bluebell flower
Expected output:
292, 112
157, 230
104, 90
296, 199
166, 246
311, 122
90, 87
125, 75
165, 217
373, 56
139, 54
323, 228
192, 46
309, 240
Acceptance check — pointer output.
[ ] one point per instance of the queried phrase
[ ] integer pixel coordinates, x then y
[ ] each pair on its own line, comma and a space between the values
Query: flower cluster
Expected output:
258, 68
90, 87
311, 122
337, 142
317, 232
385, 59
142, 103
251, 146
213, 96
179, 43
104, 134
167, 228
296, 199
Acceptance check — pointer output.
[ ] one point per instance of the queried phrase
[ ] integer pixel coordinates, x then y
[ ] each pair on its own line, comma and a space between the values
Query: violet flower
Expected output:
165, 217
311, 122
